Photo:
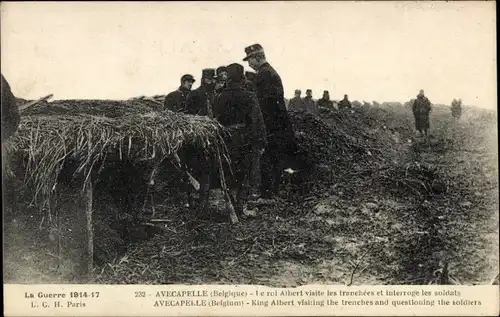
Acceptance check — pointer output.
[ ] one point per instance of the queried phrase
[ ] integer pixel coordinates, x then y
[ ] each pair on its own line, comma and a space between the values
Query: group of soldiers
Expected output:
308, 105
251, 105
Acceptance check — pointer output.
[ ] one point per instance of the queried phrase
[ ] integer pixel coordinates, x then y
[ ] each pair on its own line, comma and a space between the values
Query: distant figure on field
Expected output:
345, 103
238, 110
10, 112
200, 100
297, 104
325, 101
176, 100
280, 134
456, 108
311, 106
421, 109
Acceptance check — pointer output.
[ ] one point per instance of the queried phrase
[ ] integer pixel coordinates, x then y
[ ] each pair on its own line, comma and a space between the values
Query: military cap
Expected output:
208, 73
298, 91
253, 50
326, 92
219, 71
187, 77
308, 90
235, 72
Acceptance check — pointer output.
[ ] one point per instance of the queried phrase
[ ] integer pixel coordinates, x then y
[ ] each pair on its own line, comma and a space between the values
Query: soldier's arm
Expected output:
168, 103
217, 107
256, 121
271, 88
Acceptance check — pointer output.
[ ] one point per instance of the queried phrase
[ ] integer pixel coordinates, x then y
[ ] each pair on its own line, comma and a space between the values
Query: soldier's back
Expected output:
232, 105
176, 101
197, 102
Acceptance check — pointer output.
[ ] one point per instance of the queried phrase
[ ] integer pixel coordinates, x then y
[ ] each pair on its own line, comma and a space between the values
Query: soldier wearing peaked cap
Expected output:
176, 100
311, 106
200, 99
238, 110
280, 134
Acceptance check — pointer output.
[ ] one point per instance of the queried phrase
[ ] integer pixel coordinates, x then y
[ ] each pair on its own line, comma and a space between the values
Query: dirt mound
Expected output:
333, 137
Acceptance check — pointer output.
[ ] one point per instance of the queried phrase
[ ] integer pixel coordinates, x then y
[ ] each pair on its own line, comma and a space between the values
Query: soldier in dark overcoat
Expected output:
297, 103
280, 134
456, 108
199, 163
311, 106
421, 109
238, 110
10, 111
176, 100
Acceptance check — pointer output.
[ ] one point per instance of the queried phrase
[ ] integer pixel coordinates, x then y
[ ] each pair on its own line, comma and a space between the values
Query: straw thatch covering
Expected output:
93, 132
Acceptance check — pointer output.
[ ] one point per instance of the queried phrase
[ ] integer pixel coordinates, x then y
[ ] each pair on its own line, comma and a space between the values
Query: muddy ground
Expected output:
401, 212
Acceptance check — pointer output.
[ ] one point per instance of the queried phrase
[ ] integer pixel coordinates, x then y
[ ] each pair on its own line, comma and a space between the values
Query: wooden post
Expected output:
90, 232
229, 205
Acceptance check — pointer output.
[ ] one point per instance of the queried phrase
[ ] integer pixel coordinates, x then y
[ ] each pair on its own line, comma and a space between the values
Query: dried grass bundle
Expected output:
96, 130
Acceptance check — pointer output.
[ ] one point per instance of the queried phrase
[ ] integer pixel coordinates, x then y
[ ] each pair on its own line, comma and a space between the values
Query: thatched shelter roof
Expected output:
89, 131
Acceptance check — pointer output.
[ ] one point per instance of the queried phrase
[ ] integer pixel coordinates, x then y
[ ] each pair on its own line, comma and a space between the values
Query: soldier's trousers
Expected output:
270, 172
241, 177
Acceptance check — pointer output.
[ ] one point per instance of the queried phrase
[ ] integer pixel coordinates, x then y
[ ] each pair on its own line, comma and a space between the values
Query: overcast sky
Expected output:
380, 51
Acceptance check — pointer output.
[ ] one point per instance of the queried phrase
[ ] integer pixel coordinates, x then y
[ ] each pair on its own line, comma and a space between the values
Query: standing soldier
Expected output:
456, 108
421, 108
220, 79
238, 110
200, 100
10, 112
280, 134
344, 103
311, 106
297, 104
325, 101
176, 100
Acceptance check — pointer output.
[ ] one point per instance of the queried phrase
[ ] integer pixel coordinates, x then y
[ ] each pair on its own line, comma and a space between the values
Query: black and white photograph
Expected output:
280, 143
